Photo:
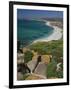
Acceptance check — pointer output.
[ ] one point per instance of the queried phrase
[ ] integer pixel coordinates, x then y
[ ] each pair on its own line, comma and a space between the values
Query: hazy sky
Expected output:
29, 14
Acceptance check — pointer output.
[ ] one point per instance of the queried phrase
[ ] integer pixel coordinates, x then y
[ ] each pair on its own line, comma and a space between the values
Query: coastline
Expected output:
56, 35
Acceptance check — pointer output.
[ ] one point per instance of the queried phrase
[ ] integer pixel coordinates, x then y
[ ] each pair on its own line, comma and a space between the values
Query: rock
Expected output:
58, 67
23, 68
46, 58
25, 49
20, 58
31, 64
35, 77
41, 69
19, 76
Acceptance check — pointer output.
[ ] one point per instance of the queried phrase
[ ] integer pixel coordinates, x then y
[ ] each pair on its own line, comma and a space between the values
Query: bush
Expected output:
60, 74
51, 69
28, 56
55, 48
25, 76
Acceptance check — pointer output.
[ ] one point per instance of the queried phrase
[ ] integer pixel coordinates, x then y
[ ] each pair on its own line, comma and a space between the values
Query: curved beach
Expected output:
56, 35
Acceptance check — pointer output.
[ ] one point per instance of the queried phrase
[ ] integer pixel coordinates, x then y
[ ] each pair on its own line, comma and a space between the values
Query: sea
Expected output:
31, 30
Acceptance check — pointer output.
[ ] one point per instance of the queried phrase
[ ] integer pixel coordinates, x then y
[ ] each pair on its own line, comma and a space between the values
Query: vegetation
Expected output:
51, 69
28, 56
54, 48
60, 74
24, 76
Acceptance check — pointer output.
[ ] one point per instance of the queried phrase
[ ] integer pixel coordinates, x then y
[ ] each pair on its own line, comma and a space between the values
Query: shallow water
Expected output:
31, 30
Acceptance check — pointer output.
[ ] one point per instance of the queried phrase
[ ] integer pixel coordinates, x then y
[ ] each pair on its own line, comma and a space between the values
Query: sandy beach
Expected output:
56, 35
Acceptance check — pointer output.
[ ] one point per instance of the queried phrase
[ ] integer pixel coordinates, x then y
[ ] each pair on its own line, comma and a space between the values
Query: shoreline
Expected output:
56, 35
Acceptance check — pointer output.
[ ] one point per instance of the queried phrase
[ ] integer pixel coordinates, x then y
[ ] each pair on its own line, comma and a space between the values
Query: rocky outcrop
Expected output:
41, 69
46, 59
20, 58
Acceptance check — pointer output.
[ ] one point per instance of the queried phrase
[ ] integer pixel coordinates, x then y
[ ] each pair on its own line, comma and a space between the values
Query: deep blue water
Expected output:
30, 30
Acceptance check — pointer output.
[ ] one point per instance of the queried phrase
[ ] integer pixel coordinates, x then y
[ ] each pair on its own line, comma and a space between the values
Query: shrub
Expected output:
28, 56
51, 69
60, 74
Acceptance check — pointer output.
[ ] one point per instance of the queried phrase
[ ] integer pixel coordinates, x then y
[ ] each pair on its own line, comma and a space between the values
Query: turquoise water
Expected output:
31, 30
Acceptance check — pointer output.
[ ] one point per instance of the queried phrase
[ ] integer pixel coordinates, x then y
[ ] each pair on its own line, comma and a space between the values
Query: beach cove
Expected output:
30, 31
56, 35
